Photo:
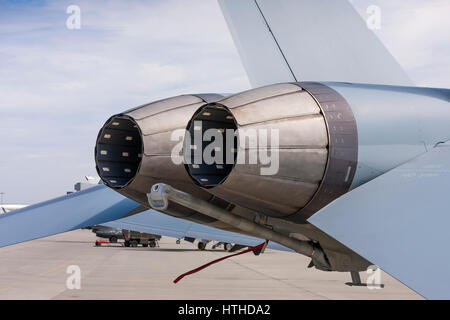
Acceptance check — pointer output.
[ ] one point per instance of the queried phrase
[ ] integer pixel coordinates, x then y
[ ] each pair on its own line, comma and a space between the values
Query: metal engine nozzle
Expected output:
278, 158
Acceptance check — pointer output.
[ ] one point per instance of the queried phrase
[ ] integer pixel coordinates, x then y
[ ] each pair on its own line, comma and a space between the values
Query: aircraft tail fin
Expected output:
308, 40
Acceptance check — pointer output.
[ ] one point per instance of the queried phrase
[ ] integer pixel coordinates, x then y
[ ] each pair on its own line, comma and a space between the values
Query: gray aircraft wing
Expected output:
333, 43
99, 205
399, 221
78, 210
154, 222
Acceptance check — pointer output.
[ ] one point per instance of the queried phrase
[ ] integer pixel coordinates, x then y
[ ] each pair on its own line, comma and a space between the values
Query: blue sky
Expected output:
58, 86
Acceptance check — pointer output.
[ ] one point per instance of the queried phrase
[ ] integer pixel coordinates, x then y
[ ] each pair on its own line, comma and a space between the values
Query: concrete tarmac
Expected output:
38, 270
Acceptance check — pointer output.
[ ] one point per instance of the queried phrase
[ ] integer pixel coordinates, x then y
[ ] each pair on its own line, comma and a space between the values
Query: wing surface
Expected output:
154, 222
93, 206
400, 222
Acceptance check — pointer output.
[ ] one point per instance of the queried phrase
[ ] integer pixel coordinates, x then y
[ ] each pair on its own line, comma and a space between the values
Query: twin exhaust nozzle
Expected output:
266, 149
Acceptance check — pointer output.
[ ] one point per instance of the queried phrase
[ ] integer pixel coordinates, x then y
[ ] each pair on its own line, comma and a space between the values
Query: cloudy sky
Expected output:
58, 86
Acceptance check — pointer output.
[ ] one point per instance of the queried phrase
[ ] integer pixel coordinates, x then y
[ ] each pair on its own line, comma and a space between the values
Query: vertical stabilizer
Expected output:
308, 40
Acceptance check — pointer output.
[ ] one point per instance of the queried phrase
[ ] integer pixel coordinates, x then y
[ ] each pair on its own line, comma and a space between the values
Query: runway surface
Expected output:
37, 270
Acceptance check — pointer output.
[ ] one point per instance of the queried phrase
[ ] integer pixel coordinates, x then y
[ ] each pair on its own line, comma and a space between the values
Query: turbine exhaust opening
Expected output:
118, 152
210, 148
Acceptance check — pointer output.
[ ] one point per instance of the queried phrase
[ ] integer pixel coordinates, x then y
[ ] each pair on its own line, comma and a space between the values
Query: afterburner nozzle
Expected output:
265, 149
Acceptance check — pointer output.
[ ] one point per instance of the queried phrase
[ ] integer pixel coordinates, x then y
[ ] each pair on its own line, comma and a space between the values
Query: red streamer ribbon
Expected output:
259, 246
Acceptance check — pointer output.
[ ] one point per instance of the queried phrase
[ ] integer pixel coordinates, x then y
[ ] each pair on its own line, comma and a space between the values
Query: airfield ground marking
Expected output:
7, 288
60, 266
